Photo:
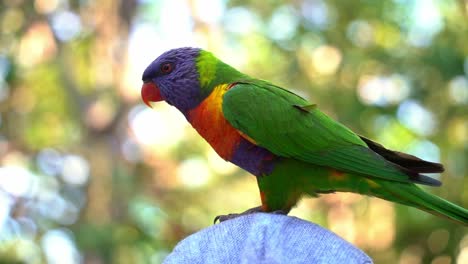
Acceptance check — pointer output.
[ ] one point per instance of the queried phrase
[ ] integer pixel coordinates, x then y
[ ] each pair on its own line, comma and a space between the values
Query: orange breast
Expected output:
209, 121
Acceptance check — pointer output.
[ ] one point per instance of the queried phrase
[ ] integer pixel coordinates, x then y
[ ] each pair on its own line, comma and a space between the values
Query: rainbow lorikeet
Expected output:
286, 142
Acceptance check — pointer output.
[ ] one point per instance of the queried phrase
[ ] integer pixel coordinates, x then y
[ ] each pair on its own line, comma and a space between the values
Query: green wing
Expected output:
289, 126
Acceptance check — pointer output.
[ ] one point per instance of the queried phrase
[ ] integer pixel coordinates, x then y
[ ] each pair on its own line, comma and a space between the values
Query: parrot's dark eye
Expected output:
166, 68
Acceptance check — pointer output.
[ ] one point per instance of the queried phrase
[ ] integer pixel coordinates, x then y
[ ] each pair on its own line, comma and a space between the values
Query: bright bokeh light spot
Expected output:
242, 21
175, 16
380, 234
66, 25
458, 89
143, 48
37, 45
65, 212
59, 247
46, 6
161, 128
283, 23
326, 59
26, 250
316, 13
17, 181
382, 90
15, 158
152, 39
425, 150
361, 33
48, 189
416, 117
236, 55
412, 254
194, 172
27, 227
75, 170
463, 255
426, 22
49, 161
6, 203
209, 11
10, 229
341, 221
173, 29
147, 126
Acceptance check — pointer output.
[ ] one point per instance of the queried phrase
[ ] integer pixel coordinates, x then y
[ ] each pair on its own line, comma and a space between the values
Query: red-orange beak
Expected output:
150, 93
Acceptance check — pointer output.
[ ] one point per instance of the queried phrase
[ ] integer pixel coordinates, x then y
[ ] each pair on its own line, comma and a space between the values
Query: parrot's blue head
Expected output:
173, 77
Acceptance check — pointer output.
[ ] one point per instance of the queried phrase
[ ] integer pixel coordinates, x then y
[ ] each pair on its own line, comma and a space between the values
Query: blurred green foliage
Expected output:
88, 174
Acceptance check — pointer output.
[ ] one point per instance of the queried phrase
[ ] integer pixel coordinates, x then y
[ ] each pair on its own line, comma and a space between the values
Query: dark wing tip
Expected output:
429, 167
408, 164
407, 161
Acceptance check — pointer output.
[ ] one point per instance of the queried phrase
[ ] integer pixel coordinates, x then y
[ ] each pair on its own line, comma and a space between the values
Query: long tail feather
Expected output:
410, 194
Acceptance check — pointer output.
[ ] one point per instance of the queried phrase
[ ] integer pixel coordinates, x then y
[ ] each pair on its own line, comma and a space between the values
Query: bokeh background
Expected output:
88, 174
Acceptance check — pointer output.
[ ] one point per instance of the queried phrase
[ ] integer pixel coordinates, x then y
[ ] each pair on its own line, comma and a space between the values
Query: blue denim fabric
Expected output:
265, 238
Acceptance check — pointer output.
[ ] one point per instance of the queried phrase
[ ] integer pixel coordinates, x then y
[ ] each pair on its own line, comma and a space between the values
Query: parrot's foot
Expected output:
257, 209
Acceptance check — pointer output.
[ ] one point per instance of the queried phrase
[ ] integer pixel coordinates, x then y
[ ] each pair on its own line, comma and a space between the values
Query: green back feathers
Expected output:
270, 115
206, 65
213, 72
